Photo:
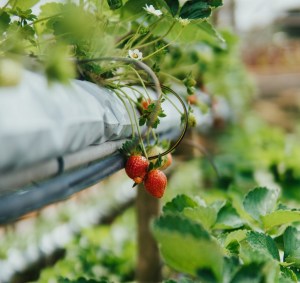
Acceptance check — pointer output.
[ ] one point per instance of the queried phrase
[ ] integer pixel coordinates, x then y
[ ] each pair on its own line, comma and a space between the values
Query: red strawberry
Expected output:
155, 183
145, 103
136, 168
192, 99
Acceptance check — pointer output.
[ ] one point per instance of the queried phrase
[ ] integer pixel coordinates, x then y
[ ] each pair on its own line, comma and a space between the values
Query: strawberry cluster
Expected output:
140, 169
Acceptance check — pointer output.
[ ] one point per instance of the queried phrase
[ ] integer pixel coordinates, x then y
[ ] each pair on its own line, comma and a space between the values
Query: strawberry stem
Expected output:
129, 115
136, 123
185, 123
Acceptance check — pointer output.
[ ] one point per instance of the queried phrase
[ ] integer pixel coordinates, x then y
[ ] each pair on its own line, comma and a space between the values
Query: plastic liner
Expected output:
39, 121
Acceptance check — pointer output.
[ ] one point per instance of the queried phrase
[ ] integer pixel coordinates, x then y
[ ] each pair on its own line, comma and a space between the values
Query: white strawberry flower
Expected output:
151, 10
135, 54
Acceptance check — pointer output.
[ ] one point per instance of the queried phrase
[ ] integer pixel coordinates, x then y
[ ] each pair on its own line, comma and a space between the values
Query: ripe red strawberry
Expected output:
136, 168
155, 183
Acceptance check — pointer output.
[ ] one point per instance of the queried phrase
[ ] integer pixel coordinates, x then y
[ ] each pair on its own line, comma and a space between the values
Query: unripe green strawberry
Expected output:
154, 150
190, 82
155, 183
168, 162
192, 120
10, 72
136, 168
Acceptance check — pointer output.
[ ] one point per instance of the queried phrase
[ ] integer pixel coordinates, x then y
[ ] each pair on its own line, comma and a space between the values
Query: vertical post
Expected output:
148, 268
231, 11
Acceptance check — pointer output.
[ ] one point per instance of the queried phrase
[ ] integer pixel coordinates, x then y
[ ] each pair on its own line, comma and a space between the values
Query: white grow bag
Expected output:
39, 121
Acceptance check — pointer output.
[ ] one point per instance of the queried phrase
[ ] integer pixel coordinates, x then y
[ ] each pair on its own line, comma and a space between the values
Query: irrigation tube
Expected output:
23, 201
14, 205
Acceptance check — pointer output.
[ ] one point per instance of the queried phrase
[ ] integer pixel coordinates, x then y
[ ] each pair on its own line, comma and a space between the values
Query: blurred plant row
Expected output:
238, 227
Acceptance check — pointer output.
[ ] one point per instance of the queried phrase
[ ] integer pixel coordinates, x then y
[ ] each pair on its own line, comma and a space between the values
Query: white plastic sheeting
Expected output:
39, 121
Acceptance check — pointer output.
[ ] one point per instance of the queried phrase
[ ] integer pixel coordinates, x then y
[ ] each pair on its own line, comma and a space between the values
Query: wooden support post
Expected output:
148, 268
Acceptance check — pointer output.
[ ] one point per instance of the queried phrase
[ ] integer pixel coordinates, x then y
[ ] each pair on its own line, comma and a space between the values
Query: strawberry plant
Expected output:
273, 154
140, 51
230, 239
128, 47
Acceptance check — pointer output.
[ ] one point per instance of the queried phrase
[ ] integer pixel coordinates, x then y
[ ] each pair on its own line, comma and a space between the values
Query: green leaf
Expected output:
195, 10
260, 202
4, 21
287, 275
215, 3
182, 225
197, 30
162, 114
234, 247
186, 246
57, 65
142, 121
238, 235
280, 217
228, 218
182, 279
207, 216
179, 203
115, 4
271, 271
51, 9
48, 10
26, 4
263, 243
206, 275
291, 238
27, 32
251, 273
83, 280
173, 5
231, 265
210, 30
134, 9
155, 124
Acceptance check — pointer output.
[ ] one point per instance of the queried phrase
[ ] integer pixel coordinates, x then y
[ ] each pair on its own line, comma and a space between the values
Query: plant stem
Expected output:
141, 80
152, 27
44, 19
173, 104
156, 40
136, 123
184, 128
134, 89
162, 48
171, 77
126, 107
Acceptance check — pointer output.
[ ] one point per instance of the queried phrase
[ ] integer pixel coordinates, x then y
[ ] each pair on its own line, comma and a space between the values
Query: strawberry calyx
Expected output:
131, 147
